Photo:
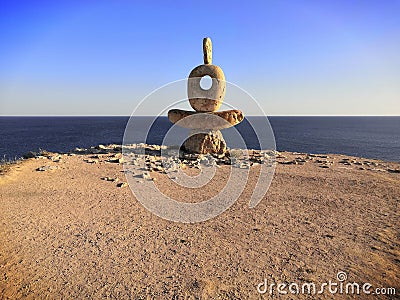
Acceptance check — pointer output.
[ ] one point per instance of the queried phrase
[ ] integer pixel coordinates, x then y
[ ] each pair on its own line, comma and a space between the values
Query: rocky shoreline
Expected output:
154, 158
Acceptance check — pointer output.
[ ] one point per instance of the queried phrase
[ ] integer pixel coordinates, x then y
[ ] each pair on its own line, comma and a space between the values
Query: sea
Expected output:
368, 137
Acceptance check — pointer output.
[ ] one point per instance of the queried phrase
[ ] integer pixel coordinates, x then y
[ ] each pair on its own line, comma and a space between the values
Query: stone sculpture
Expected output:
205, 122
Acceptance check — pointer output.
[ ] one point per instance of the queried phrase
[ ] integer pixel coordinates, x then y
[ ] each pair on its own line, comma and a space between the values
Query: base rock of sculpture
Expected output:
205, 142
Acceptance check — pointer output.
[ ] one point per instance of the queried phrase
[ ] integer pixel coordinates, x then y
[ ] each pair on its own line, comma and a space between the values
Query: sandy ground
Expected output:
67, 234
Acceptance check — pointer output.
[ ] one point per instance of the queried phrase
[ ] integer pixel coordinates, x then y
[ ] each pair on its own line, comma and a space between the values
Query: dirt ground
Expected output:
67, 234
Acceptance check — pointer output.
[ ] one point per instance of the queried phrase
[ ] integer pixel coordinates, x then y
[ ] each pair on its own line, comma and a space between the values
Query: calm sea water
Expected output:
371, 137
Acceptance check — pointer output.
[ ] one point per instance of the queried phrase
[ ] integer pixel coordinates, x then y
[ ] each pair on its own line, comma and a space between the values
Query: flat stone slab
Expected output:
210, 120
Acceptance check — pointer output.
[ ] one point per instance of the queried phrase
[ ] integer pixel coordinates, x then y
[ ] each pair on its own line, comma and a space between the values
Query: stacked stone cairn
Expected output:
206, 122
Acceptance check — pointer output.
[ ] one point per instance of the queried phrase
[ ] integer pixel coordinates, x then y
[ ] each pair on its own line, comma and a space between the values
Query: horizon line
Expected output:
290, 115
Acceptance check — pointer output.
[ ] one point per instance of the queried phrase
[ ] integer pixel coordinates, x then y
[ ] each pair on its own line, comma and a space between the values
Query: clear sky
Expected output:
295, 57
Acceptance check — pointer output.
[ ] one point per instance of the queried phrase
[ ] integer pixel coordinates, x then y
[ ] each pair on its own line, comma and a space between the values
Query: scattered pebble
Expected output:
46, 168
91, 161
110, 179
146, 175
116, 160
290, 162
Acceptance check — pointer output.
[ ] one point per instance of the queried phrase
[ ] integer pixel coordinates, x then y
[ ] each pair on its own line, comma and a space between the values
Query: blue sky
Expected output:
294, 57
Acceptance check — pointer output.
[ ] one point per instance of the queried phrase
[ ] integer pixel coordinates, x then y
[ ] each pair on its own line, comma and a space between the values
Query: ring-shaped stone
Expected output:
206, 100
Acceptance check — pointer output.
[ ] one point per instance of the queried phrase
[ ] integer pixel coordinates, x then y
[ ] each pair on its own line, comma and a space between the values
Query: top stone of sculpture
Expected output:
210, 100
207, 51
